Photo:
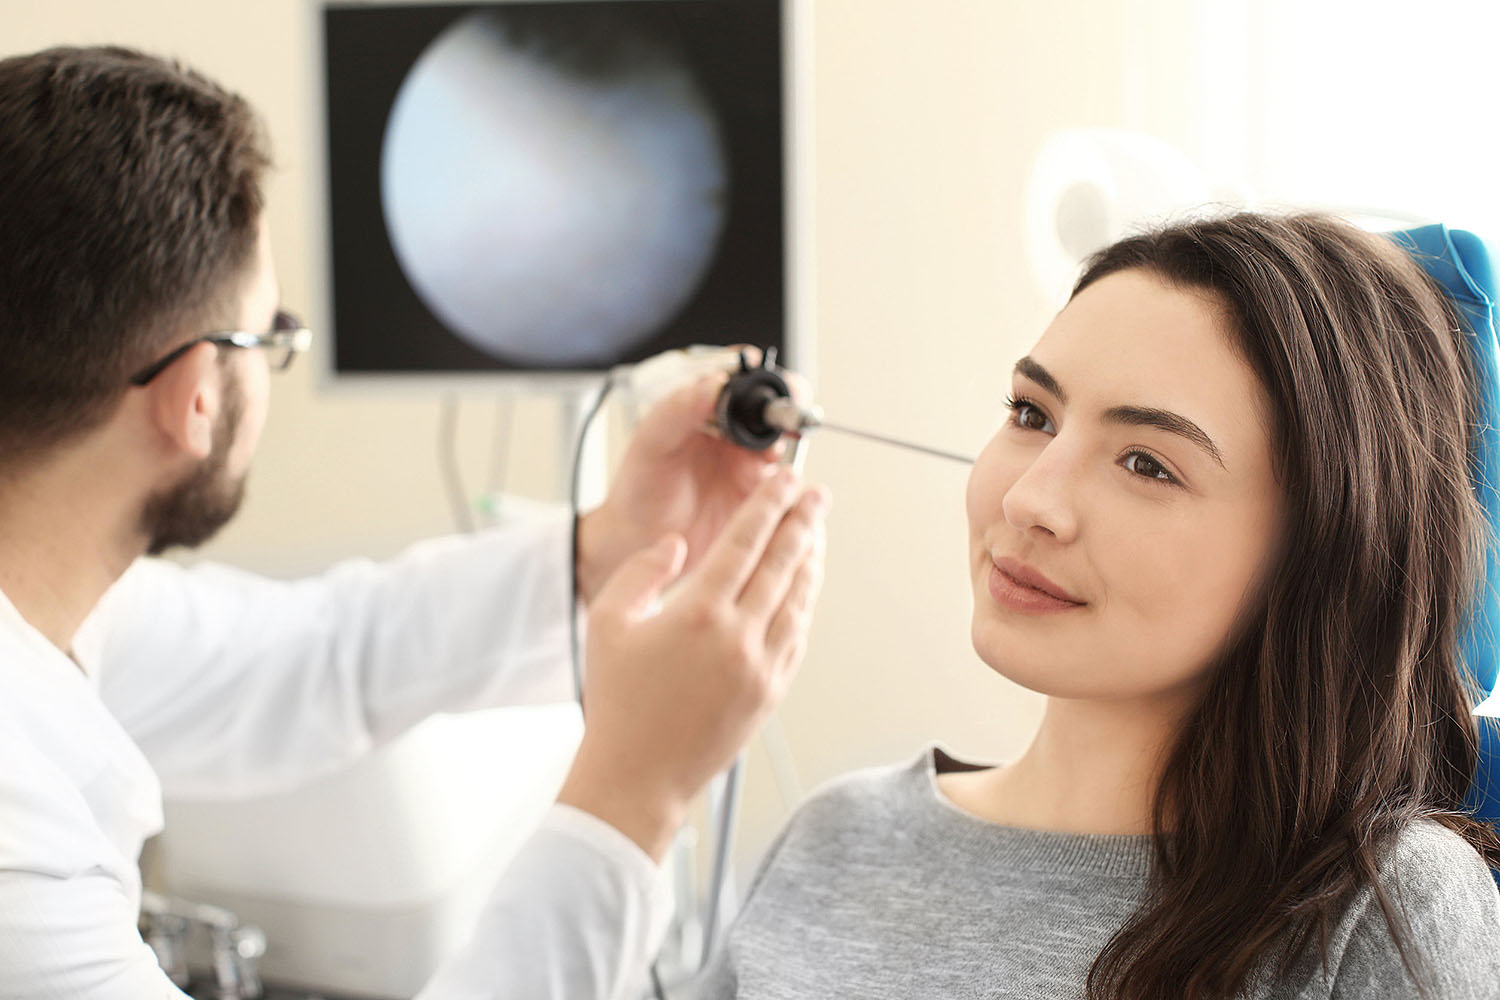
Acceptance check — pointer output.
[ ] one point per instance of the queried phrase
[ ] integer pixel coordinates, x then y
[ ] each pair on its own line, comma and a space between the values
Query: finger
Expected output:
735, 553
639, 581
786, 638
786, 552
751, 353
744, 470
701, 398
801, 388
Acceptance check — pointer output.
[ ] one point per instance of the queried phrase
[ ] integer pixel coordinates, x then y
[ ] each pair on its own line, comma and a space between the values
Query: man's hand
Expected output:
673, 697
677, 478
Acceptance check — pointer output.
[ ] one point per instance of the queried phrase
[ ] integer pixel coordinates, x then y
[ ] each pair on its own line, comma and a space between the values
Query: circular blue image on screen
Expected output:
551, 210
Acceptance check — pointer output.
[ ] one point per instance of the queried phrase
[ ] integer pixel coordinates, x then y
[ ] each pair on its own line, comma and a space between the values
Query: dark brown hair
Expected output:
129, 203
1338, 713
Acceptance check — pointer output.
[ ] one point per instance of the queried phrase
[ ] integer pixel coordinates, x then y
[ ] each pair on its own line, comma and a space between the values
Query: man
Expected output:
138, 323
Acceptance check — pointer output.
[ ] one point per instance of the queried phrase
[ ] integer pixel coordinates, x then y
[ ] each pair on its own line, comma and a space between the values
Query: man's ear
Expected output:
185, 400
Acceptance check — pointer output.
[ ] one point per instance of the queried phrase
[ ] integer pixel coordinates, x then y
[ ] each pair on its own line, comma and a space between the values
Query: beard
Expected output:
191, 511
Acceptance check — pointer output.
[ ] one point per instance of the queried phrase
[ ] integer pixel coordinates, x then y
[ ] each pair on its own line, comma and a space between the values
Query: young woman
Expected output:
1229, 530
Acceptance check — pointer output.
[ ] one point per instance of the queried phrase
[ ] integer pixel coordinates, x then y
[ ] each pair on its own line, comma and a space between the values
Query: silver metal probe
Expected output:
786, 415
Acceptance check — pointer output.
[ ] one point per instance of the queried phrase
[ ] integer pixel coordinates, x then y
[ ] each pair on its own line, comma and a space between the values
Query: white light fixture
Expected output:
1091, 186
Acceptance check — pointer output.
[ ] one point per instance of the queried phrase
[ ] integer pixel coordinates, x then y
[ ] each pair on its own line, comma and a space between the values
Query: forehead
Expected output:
1132, 339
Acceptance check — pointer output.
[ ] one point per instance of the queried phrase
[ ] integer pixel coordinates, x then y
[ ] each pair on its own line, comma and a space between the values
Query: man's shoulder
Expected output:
75, 794
47, 822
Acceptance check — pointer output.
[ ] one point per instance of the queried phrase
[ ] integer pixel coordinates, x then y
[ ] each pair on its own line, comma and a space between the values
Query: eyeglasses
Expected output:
287, 339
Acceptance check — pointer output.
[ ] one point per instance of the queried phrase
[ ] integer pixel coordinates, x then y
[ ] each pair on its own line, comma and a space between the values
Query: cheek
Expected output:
1182, 587
255, 381
260, 398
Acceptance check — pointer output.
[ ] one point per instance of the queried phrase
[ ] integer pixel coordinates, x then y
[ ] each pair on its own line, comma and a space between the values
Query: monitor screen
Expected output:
562, 187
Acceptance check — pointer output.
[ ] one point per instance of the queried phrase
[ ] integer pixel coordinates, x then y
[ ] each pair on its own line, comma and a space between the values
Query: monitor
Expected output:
544, 190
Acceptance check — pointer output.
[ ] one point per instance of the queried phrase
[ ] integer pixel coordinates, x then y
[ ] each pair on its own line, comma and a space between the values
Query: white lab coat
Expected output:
216, 682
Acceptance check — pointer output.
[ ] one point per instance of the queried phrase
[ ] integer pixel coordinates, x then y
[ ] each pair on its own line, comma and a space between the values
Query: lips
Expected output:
1027, 576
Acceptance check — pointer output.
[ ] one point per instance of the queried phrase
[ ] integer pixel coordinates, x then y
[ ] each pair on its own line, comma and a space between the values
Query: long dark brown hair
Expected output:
1338, 713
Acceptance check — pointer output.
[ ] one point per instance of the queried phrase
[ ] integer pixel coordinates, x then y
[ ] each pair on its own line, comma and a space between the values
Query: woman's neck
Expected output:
1093, 767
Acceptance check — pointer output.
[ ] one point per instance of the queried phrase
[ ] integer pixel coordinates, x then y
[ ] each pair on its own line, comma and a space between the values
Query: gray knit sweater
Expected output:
879, 887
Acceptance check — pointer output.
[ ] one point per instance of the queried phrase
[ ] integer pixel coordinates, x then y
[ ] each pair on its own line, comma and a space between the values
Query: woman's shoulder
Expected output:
859, 809
883, 789
1447, 899
844, 820
1435, 880
1427, 859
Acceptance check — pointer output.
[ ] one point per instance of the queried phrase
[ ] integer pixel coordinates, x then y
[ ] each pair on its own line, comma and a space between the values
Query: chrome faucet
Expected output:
168, 925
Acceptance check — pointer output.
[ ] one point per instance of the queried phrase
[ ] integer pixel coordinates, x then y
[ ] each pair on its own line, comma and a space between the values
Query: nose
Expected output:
1042, 500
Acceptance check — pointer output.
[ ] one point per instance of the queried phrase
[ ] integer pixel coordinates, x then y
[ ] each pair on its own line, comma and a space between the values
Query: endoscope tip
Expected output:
787, 416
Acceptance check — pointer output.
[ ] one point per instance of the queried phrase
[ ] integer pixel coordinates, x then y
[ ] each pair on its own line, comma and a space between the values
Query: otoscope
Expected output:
756, 407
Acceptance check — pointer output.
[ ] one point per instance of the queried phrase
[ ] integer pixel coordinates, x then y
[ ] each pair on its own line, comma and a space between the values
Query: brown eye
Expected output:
1147, 467
1027, 415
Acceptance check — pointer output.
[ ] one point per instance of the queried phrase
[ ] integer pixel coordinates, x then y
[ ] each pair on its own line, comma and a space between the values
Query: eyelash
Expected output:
1015, 403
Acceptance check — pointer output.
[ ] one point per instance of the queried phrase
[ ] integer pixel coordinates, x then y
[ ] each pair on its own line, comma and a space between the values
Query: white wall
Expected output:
928, 113
1384, 109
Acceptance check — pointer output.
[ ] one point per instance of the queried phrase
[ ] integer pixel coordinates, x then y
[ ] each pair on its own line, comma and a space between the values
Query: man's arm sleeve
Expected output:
580, 913
577, 916
234, 684
74, 937
67, 896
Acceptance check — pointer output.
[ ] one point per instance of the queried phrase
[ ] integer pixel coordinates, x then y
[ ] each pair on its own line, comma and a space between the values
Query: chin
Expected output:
1011, 657
1035, 664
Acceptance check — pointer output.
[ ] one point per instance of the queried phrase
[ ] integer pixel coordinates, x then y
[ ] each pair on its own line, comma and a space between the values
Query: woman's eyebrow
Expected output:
1172, 423
1041, 376
1138, 416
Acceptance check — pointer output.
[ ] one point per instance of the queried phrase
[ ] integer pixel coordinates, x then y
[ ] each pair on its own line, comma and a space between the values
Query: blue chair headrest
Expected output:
1461, 264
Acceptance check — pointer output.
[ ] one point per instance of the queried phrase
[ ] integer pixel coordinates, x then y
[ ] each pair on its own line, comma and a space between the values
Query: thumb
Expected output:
637, 582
